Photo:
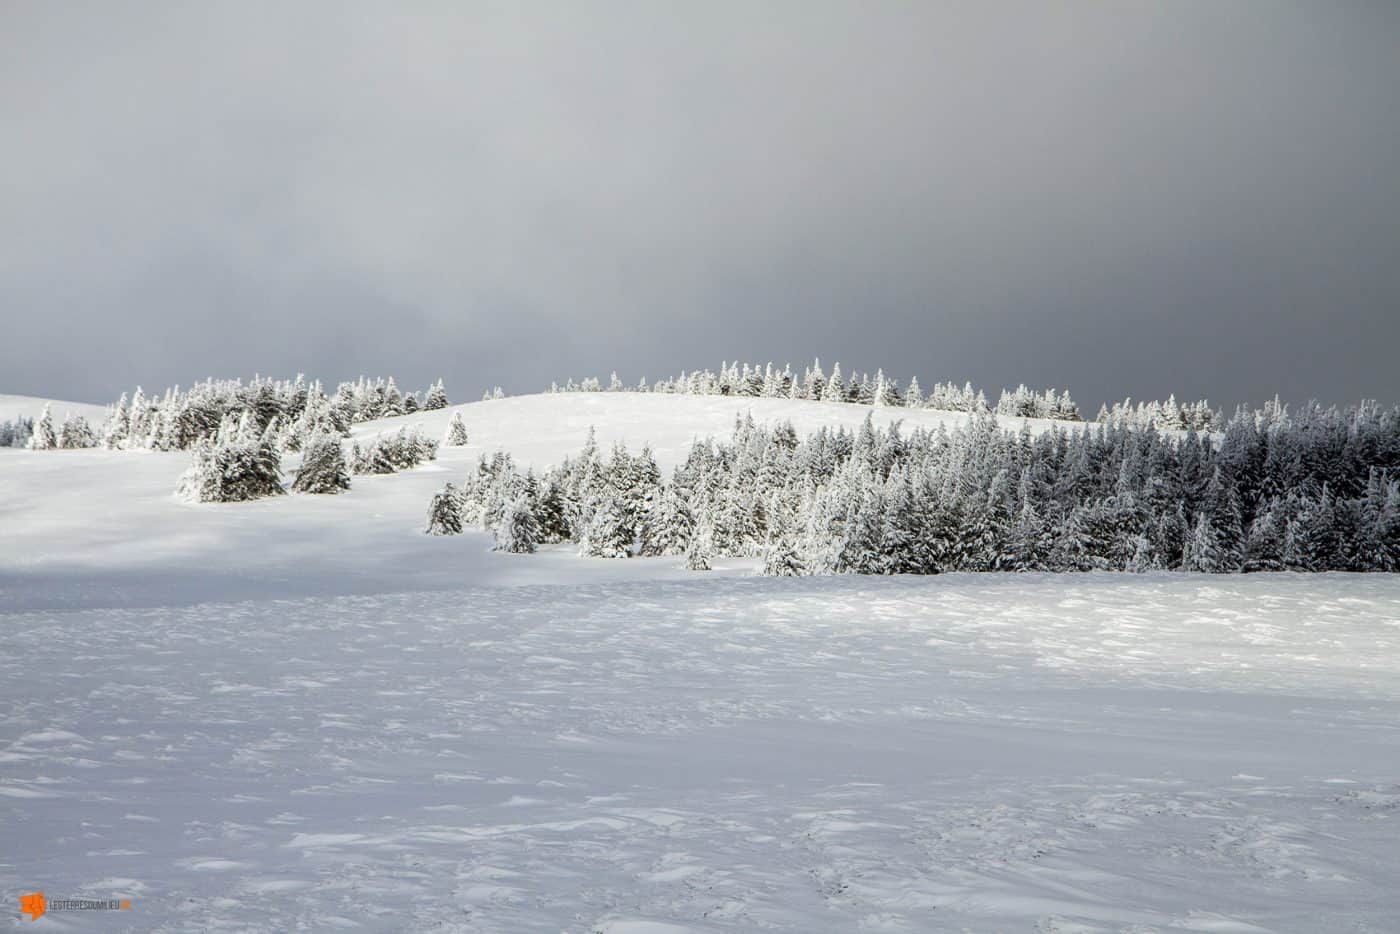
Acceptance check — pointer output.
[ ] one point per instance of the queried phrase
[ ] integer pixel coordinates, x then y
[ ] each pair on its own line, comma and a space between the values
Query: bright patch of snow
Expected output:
13, 408
997, 752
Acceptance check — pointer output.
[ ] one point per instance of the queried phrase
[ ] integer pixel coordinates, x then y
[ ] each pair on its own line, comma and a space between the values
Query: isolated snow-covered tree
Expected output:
456, 435
43, 438
323, 468
517, 532
445, 512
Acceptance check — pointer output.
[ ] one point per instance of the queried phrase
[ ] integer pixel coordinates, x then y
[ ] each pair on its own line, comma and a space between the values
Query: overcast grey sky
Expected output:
1117, 198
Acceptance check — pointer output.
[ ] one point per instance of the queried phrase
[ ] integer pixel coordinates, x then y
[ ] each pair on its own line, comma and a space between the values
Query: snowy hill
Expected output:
13, 408
542, 429
96, 527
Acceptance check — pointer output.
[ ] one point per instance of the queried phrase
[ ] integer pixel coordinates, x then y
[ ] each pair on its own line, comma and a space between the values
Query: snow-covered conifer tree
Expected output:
1203, 549
699, 553
1263, 547
323, 468
669, 526
114, 432
75, 433
229, 468
835, 389
43, 438
435, 398
914, 396
607, 534
445, 512
456, 435
517, 532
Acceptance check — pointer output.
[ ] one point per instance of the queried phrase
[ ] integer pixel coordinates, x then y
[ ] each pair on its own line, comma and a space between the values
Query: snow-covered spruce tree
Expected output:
456, 435
435, 398
75, 433
323, 468
445, 512
551, 512
1380, 524
1263, 547
698, 553
1310, 541
780, 555
668, 527
608, 534
114, 432
518, 531
231, 468
835, 389
1204, 552
43, 438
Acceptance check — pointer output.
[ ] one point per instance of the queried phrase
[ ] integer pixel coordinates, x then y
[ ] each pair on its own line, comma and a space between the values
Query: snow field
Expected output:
1076, 753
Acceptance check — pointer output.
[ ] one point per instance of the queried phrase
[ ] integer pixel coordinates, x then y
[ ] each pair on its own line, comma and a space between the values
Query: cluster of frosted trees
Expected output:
390, 453
1169, 415
294, 409
237, 433
735, 379
74, 432
16, 434
1311, 490
239, 462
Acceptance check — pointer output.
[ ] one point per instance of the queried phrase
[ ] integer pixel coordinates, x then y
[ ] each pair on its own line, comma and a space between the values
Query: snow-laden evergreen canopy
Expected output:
237, 463
1312, 490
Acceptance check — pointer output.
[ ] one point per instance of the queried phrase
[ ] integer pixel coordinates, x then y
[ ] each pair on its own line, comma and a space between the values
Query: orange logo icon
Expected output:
33, 905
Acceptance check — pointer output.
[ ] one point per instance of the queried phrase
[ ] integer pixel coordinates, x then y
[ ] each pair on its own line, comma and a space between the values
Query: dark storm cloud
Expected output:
1198, 198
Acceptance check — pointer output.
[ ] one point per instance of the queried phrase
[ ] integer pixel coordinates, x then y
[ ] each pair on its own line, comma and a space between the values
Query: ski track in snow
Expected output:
984, 753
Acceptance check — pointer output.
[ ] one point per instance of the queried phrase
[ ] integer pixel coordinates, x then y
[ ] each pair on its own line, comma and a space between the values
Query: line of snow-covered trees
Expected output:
16, 434
41, 435
736, 379
295, 410
1170, 415
1311, 490
239, 461
767, 381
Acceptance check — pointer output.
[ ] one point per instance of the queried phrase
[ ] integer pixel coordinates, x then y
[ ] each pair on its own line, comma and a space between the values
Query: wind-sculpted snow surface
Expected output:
1028, 753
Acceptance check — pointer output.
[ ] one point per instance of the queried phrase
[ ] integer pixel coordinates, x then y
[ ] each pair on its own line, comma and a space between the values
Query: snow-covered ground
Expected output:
303, 714
13, 408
